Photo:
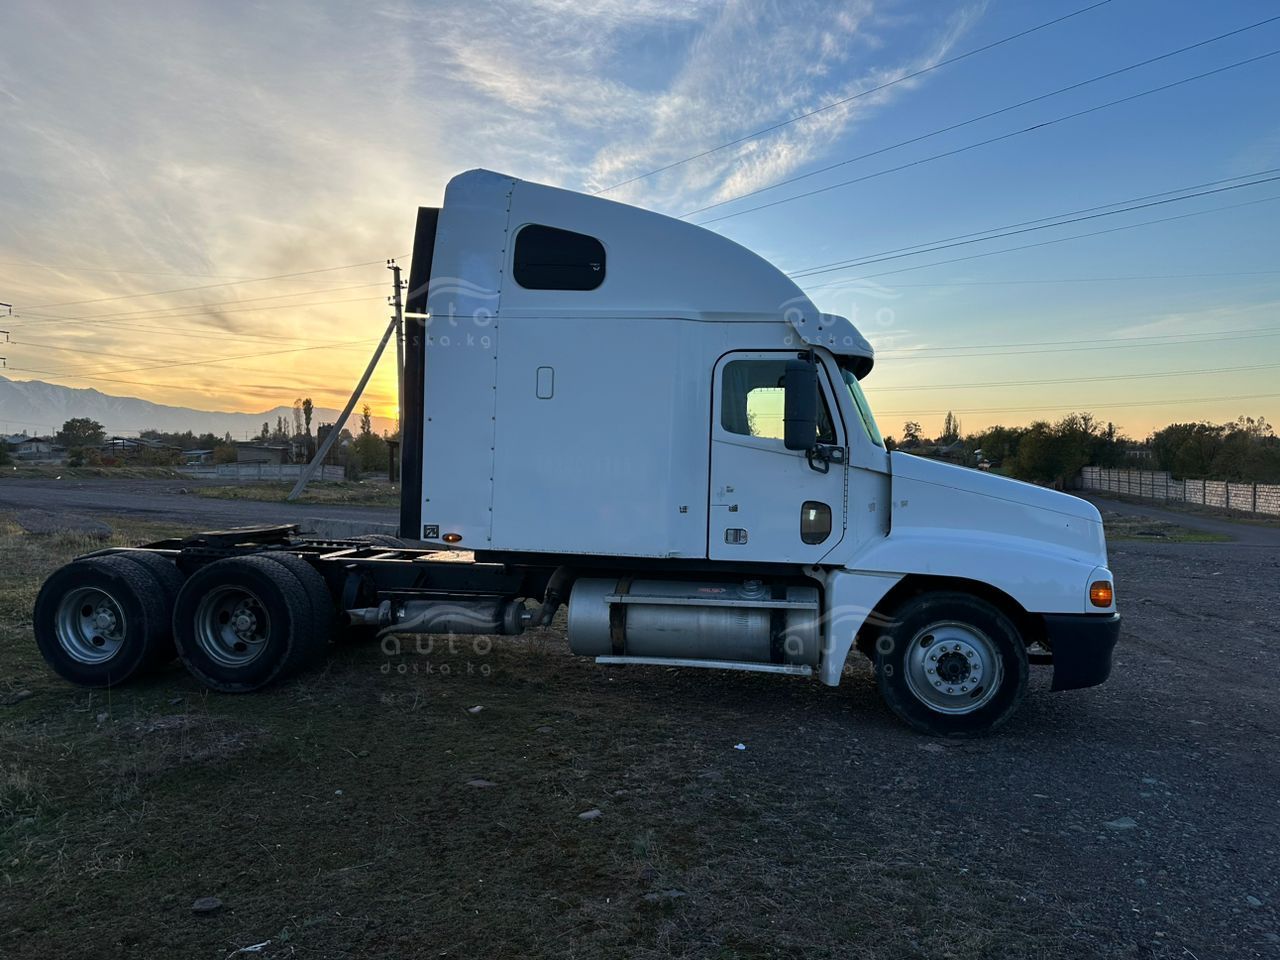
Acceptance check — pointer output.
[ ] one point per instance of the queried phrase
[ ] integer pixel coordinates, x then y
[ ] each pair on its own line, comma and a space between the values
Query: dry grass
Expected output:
1125, 527
30, 471
333, 816
371, 493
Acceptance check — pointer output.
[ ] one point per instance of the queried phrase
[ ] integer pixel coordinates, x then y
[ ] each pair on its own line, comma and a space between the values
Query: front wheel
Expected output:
951, 664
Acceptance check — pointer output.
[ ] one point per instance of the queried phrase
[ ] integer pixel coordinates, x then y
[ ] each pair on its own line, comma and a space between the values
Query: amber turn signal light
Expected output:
1101, 593
451, 537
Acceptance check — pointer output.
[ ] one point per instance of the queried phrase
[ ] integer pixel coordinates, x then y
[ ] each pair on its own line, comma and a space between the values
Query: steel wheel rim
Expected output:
90, 625
232, 626
953, 668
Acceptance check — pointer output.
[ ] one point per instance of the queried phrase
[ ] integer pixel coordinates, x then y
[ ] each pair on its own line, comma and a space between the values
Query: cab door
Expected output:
768, 503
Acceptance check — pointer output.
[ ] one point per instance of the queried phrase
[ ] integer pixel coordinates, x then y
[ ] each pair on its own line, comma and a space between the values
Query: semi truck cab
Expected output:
639, 419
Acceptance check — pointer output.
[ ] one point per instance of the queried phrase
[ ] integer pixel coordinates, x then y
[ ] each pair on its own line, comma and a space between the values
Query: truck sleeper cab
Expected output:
642, 420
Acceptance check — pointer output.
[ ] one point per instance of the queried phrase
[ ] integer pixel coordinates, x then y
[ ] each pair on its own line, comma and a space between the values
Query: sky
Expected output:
154, 157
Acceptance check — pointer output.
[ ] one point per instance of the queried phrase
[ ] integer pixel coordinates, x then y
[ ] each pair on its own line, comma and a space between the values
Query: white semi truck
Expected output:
639, 418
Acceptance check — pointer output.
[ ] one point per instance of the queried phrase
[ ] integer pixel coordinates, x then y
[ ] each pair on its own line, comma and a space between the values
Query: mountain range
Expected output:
41, 408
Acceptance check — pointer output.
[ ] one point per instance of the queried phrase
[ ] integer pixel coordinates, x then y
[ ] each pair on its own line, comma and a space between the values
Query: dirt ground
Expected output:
367, 810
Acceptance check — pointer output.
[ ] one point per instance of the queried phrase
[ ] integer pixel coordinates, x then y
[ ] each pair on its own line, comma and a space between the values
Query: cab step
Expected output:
798, 670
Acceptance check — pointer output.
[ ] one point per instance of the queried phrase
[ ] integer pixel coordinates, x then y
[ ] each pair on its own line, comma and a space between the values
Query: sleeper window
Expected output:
548, 258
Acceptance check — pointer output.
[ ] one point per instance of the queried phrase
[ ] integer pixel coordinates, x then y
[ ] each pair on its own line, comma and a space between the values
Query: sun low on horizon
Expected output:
1027, 211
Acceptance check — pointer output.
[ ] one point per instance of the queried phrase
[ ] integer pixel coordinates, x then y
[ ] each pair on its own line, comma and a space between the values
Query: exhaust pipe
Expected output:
468, 617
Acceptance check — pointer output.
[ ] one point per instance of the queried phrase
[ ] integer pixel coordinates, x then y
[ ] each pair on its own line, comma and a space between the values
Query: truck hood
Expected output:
942, 496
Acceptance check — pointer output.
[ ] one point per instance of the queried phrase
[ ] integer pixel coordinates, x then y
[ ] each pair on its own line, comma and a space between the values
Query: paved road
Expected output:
161, 500
1245, 533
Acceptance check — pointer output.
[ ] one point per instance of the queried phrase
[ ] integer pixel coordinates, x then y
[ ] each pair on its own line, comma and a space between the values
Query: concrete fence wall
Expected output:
1263, 498
259, 471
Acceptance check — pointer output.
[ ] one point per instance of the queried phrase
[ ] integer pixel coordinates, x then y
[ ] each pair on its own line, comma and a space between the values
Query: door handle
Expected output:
822, 456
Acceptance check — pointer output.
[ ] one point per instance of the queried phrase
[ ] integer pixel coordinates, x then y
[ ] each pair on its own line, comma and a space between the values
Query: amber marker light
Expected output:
1101, 593
457, 538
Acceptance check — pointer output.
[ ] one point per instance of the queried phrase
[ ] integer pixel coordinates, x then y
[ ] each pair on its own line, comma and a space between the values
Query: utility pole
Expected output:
332, 436
399, 322
396, 327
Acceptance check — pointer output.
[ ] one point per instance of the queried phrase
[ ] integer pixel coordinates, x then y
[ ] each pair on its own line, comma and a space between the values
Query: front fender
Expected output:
1039, 579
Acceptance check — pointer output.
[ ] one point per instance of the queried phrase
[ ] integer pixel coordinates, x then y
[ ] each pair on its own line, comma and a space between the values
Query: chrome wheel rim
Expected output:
90, 625
953, 667
232, 626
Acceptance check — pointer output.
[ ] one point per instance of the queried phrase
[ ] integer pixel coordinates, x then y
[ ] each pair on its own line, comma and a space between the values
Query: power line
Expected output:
984, 116
144, 383
1146, 276
203, 363
1049, 221
862, 93
995, 233
1207, 338
990, 140
1035, 383
158, 311
134, 356
1110, 405
1050, 343
125, 321
43, 319
81, 268
208, 286
1045, 243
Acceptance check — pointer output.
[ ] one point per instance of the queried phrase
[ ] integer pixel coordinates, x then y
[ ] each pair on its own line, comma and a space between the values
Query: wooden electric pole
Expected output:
399, 321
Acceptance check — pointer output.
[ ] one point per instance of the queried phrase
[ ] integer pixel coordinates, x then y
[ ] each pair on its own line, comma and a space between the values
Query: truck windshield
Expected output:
864, 409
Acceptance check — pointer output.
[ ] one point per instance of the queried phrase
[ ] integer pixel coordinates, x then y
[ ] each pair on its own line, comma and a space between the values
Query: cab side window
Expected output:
751, 401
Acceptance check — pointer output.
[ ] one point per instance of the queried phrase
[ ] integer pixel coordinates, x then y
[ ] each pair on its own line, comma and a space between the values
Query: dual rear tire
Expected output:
101, 621
245, 622
237, 624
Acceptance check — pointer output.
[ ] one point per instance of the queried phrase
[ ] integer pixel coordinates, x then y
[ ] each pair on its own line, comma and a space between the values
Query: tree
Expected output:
297, 417
998, 444
370, 449
308, 408
1055, 453
80, 432
5, 459
266, 431
910, 433
950, 429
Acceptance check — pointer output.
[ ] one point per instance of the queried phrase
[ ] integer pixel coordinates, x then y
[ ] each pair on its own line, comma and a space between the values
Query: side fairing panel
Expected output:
462, 359
601, 437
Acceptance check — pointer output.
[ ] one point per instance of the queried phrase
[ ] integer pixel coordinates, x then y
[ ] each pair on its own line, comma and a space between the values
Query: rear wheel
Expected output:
244, 622
169, 580
951, 664
101, 620
321, 608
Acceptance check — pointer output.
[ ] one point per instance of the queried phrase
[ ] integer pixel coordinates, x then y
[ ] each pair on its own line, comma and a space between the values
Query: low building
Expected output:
37, 448
137, 448
251, 452
196, 457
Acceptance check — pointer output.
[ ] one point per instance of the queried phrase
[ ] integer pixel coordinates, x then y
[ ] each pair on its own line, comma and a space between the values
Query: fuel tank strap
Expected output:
618, 618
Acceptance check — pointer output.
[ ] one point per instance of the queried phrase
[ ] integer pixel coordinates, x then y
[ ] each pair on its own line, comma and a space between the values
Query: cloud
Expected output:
186, 142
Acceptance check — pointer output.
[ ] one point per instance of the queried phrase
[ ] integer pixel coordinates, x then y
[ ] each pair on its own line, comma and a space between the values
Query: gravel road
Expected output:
1246, 533
1151, 810
1138, 819
162, 500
